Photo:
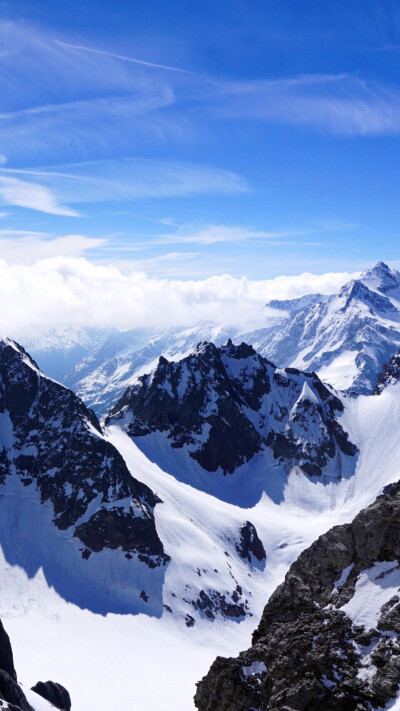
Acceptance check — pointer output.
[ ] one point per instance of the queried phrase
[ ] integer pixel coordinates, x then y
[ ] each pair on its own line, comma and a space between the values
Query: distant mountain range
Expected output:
345, 338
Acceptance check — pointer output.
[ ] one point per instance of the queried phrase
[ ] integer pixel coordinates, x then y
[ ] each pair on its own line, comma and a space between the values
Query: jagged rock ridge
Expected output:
329, 635
52, 448
225, 405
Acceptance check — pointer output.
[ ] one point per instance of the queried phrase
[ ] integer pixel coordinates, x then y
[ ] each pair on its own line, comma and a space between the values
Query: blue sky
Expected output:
188, 139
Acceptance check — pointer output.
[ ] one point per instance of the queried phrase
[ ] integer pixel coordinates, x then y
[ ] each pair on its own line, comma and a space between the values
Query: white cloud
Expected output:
75, 292
18, 246
214, 234
133, 179
22, 193
339, 103
67, 101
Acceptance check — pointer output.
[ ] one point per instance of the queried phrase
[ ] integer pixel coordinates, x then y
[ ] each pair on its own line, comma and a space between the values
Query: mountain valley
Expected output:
157, 534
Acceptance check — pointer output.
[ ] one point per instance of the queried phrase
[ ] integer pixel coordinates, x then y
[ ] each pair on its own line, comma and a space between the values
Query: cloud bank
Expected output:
66, 291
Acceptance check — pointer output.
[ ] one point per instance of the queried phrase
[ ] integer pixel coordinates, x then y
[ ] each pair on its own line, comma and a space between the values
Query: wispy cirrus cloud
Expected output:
129, 179
26, 247
218, 234
61, 99
95, 102
338, 103
116, 100
32, 195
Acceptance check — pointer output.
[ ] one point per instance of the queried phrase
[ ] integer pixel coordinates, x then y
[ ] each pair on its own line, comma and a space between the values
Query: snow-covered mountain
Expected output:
229, 422
61, 349
221, 560
346, 338
103, 375
68, 504
63, 482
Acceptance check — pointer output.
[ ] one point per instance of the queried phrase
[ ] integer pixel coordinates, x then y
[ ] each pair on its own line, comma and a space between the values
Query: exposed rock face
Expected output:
250, 546
12, 693
6, 655
55, 693
389, 374
224, 405
52, 444
329, 635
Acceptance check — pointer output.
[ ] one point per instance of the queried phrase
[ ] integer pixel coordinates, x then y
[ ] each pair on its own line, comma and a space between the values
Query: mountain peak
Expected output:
225, 406
381, 267
381, 277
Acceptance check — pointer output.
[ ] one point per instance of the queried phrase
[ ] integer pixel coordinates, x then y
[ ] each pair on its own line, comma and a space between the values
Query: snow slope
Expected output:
128, 661
130, 652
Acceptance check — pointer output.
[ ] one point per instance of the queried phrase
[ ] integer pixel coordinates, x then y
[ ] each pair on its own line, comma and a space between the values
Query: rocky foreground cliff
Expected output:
329, 635
12, 695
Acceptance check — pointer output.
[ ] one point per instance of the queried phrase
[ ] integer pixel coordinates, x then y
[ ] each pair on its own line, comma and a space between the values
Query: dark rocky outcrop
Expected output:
12, 693
52, 443
389, 374
212, 604
6, 655
308, 654
55, 693
250, 546
227, 404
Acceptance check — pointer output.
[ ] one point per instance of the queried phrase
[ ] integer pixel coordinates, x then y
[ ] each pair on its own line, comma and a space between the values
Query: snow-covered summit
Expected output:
382, 278
347, 337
